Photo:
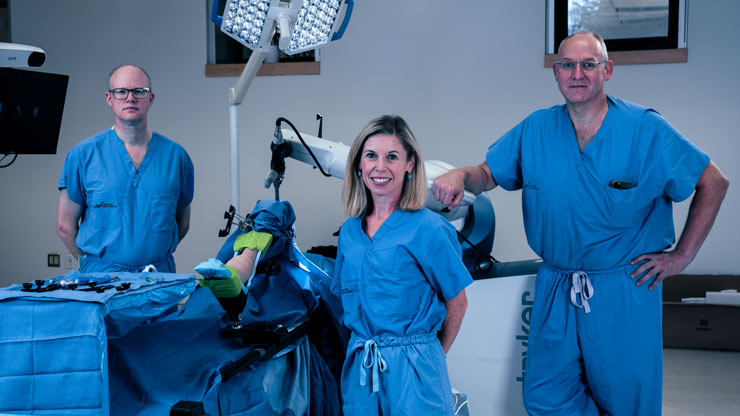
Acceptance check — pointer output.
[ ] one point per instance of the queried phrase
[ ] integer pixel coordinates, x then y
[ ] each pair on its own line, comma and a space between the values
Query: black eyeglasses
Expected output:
122, 93
586, 66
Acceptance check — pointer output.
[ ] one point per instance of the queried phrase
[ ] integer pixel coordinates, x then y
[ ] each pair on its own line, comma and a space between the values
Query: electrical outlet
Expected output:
69, 261
52, 260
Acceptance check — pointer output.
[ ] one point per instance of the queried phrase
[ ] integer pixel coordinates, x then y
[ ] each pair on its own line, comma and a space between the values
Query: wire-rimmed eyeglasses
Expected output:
122, 93
586, 66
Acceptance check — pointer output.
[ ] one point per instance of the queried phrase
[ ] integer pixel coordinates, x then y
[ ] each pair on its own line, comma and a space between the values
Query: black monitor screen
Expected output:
31, 107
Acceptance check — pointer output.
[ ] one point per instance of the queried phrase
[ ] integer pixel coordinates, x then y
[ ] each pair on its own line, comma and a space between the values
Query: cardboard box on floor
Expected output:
703, 326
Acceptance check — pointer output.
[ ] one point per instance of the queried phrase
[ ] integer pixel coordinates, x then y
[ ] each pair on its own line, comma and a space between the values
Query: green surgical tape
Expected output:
224, 288
254, 240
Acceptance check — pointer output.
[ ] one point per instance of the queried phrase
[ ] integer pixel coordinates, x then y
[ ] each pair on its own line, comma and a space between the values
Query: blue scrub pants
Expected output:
606, 361
92, 264
396, 376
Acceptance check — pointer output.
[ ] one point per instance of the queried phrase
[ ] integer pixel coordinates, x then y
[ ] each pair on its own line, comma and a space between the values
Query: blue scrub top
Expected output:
396, 284
128, 214
573, 219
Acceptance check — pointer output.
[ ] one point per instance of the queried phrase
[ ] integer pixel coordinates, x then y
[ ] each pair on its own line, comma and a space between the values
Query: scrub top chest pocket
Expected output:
626, 201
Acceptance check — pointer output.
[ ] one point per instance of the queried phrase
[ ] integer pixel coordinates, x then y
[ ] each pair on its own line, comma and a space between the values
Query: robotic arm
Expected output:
474, 218
331, 158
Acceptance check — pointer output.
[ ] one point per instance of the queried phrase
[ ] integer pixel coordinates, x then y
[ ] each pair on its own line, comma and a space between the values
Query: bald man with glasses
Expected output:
599, 176
126, 191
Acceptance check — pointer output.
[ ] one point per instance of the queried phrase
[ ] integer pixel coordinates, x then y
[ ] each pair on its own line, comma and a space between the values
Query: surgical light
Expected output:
302, 24
244, 20
313, 25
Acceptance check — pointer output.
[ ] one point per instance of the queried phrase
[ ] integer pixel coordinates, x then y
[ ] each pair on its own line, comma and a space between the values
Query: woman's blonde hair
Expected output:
356, 199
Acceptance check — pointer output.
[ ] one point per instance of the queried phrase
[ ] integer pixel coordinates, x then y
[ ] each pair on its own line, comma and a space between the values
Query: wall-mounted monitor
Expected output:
626, 25
31, 108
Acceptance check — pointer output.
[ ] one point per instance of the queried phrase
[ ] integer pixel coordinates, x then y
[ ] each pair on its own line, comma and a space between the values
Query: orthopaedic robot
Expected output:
474, 218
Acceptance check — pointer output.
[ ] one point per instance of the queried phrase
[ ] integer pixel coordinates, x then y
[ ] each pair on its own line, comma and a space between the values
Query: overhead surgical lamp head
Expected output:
302, 24
14, 55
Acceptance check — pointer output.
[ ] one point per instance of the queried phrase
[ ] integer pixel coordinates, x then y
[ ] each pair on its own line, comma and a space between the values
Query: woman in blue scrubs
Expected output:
401, 279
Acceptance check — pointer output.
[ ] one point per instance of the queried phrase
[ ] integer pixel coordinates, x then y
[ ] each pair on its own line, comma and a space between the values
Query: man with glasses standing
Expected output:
125, 192
598, 177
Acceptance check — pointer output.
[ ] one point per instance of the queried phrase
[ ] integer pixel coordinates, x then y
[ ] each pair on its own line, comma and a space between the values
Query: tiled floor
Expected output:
701, 382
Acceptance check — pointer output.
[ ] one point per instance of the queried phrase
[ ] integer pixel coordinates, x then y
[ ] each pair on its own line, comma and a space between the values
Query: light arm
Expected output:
236, 96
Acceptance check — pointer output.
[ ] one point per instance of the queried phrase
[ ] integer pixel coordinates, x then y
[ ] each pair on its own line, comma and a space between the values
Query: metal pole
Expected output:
236, 96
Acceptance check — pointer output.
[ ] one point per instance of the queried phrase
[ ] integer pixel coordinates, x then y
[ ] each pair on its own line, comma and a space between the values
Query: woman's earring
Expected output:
408, 176
359, 173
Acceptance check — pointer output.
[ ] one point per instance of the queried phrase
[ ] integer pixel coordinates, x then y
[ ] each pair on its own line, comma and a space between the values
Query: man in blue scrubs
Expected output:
125, 192
598, 177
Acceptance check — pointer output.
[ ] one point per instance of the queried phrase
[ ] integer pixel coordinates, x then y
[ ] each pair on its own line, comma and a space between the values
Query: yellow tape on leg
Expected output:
254, 240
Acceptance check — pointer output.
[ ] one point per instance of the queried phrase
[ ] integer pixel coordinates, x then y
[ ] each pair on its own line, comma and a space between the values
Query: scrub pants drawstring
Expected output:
372, 359
581, 286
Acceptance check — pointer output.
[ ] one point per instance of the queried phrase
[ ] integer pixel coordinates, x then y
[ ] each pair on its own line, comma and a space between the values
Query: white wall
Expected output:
460, 76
